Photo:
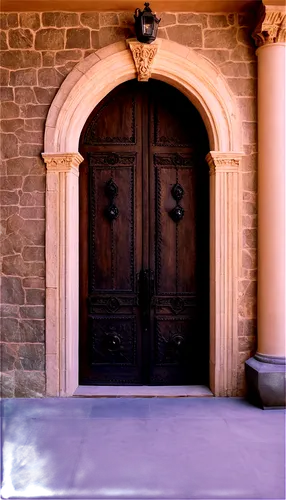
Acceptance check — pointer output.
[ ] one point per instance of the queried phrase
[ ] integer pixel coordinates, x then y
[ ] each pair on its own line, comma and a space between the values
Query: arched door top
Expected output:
180, 66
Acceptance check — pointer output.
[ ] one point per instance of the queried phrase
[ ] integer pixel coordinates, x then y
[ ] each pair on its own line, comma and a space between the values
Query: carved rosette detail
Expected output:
271, 27
143, 56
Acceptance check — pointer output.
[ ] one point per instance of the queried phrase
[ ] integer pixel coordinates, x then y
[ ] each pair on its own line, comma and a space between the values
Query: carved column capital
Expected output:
143, 55
271, 27
223, 162
62, 162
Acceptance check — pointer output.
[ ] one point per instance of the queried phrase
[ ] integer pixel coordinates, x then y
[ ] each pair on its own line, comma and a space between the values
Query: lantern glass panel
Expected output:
148, 25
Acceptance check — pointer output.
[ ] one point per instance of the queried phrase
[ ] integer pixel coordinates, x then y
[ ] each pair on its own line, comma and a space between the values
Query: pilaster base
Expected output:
266, 381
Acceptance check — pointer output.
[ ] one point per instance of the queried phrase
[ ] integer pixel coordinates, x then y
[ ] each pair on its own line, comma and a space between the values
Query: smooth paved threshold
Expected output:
142, 448
144, 391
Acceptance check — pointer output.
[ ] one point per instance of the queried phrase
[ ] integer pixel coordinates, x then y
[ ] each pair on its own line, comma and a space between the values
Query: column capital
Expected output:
143, 55
62, 162
223, 162
271, 27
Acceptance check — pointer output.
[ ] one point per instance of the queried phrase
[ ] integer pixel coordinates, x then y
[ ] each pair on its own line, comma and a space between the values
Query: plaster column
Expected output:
224, 251
61, 272
266, 371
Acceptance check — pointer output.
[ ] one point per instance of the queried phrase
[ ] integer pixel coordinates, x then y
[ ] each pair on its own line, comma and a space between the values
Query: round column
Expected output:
265, 373
271, 199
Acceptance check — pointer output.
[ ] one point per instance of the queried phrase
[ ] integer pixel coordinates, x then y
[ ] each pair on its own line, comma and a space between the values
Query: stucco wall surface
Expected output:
38, 50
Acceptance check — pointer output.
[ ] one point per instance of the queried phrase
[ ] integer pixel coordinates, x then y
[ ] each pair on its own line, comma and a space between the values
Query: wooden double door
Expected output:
144, 239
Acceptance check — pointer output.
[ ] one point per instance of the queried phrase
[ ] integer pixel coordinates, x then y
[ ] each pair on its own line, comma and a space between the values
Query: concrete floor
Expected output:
142, 448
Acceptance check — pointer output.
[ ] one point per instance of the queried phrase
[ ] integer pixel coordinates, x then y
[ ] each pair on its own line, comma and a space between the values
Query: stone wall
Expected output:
38, 50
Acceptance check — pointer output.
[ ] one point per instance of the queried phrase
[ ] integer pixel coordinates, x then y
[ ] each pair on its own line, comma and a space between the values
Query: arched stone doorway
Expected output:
82, 90
144, 240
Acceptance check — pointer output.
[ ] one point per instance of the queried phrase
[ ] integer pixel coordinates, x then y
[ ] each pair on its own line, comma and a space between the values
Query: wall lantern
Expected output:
146, 24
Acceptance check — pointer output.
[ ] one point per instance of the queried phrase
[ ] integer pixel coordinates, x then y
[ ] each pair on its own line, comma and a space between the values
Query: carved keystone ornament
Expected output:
143, 56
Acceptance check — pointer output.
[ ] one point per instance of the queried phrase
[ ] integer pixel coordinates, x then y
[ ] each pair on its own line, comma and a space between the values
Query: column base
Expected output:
266, 381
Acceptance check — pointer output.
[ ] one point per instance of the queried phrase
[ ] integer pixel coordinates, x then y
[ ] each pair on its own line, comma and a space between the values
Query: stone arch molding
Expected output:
93, 78
86, 85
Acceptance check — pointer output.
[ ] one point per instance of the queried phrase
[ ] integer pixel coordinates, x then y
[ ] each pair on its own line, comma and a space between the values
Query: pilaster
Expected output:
61, 269
224, 257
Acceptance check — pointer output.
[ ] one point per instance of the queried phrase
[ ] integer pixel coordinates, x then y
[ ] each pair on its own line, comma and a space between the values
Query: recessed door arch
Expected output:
144, 272
82, 90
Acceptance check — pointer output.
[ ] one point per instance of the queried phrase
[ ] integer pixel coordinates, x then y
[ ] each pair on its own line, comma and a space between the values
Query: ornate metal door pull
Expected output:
111, 191
177, 213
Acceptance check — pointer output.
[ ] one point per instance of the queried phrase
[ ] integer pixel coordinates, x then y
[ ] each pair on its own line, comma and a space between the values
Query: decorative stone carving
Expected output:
223, 162
143, 56
57, 162
271, 27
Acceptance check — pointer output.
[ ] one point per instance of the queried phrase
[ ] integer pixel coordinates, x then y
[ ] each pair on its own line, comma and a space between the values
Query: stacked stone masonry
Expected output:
38, 50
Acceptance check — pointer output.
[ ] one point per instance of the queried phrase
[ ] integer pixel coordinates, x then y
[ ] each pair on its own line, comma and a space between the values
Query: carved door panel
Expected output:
179, 243
111, 241
143, 262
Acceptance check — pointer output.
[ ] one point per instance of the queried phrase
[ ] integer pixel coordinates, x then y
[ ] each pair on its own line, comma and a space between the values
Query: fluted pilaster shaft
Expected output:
224, 249
61, 270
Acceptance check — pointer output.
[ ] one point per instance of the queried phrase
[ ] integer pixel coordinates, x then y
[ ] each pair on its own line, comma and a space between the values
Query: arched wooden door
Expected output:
144, 239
